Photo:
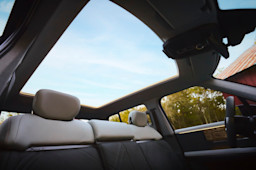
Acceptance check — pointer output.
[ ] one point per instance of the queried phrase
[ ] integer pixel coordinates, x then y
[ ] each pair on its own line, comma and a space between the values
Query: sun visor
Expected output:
232, 24
196, 41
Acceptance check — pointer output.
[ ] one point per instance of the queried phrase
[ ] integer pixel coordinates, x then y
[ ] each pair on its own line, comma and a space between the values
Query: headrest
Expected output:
138, 118
54, 105
111, 131
23, 131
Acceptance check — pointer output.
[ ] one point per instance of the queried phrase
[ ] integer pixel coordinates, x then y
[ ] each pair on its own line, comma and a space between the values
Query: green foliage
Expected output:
194, 106
124, 114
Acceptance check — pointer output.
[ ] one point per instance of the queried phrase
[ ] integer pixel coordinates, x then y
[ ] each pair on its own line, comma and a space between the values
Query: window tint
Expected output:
124, 114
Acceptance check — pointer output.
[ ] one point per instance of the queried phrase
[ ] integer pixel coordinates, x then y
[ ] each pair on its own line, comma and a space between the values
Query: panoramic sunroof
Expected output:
237, 4
5, 10
105, 53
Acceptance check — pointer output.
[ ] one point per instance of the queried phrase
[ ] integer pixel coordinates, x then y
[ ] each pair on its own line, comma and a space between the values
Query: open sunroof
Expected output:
5, 10
237, 4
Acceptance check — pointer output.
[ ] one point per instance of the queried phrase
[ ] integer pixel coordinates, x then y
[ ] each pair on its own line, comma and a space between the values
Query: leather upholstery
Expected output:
145, 133
61, 159
23, 131
160, 155
55, 105
138, 118
139, 127
111, 131
124, 155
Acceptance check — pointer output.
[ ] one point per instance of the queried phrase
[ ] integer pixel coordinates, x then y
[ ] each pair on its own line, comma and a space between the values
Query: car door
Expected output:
198, 116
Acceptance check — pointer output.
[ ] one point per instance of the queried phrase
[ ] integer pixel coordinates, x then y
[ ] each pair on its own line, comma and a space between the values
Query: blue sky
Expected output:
236, 51
235, 4
107, 53
5, 9
248, 40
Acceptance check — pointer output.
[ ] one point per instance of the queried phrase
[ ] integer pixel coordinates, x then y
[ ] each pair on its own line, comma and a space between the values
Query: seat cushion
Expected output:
66, 159
111, 131
145, 133
125, 155
23, 131
160, 155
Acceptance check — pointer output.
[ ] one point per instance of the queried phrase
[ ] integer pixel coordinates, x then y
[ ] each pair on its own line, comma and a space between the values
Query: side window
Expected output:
198, 114
123, 115
5, 115
194, 106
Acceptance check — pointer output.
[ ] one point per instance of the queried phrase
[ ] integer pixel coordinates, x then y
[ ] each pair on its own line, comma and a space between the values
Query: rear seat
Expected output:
158, 153
116, 147
49, 139
134, 146
52, 139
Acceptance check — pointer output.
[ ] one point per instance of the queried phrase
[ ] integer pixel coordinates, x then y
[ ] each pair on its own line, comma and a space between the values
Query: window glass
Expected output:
124, 114
5, 115
105, 53
237, 4
242, 58
197, 106
194, 106
5, 10
198, 114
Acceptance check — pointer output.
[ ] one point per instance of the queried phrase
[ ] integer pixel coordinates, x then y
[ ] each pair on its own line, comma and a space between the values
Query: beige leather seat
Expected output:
133, 146
50, 138
51, 124
118, 145
140, 128
157, 152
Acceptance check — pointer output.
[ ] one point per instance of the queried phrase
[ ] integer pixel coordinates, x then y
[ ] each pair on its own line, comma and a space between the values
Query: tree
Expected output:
194, 106
124, 114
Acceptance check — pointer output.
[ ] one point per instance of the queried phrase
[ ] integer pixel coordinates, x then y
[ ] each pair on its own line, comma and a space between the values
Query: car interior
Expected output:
57, 131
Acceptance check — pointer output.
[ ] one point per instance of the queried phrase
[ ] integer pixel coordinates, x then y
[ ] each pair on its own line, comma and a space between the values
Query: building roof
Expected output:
244, 61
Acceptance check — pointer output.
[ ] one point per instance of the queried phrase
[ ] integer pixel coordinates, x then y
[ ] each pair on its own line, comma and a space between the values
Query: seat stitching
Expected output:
8, 130
116, 158
145, 156
129, 157
18, 128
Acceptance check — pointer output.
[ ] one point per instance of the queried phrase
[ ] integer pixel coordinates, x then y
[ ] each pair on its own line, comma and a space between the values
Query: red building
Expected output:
242, 70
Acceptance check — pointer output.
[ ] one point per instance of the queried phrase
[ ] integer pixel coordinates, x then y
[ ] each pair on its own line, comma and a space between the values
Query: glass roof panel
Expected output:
105, 53
5, 10
236, 4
